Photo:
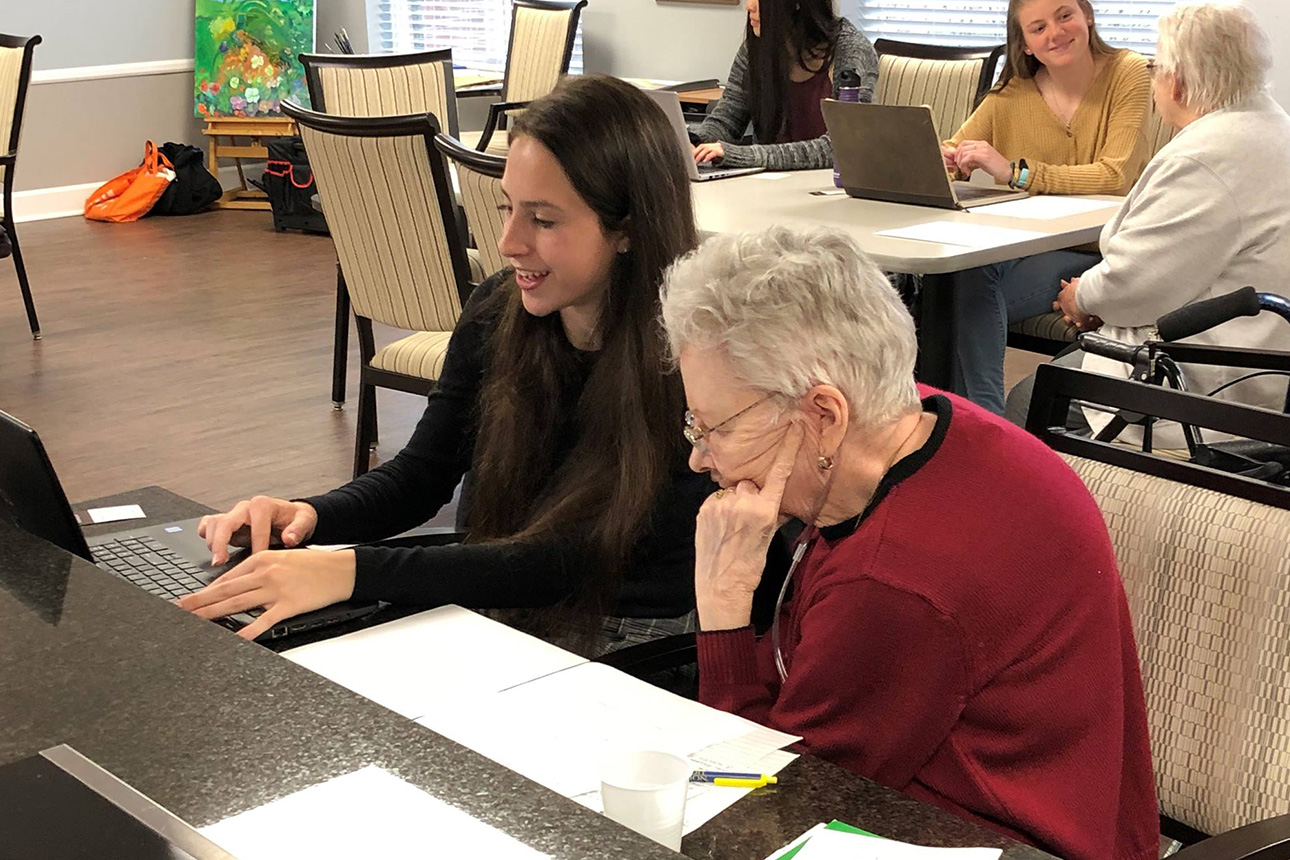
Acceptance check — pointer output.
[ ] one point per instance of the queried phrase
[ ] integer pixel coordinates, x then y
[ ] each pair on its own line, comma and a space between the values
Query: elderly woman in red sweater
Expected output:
957, 628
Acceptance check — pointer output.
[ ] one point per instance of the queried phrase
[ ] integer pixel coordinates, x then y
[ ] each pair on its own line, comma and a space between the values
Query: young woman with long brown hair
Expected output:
791, 57
554, 394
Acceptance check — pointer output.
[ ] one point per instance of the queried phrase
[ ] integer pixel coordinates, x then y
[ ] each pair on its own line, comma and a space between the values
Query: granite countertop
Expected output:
209, 725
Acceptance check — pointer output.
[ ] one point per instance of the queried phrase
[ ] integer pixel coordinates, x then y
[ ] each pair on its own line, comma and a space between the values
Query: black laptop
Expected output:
169, 560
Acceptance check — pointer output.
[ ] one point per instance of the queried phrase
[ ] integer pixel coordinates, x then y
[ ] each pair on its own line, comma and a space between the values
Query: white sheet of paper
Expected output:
367, 813
767, 174
554, 730
116, 513
1045, 207
960, 234
838, 845
775, 855
449, 653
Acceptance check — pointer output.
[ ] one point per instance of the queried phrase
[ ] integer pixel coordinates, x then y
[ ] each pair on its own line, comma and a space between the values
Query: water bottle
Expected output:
848, 91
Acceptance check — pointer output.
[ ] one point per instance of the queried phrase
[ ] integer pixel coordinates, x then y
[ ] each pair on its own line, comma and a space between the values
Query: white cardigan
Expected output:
1210, 214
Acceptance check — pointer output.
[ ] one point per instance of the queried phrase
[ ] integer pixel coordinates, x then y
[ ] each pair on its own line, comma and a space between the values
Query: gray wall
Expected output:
1275, 17
88, 131
651, 39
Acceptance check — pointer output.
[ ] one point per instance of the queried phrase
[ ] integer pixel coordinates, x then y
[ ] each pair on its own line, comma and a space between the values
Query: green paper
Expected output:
832, 825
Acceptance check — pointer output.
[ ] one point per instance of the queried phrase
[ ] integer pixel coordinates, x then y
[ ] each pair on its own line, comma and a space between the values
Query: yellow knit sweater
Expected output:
1101, 152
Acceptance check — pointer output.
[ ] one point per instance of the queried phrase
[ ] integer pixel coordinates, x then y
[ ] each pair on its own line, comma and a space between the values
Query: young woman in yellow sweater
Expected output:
1067, 117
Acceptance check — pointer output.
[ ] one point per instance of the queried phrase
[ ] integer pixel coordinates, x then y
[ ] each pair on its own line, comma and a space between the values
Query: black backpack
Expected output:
289, 182
194, 188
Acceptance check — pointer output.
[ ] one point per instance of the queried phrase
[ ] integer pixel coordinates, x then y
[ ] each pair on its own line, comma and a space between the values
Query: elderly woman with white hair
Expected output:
957, 628
1210, 214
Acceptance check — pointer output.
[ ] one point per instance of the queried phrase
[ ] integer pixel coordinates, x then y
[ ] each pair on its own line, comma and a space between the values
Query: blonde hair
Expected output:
1217, 50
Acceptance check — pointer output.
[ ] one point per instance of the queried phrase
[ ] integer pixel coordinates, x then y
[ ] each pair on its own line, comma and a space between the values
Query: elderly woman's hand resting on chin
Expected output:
284, 583
732, 535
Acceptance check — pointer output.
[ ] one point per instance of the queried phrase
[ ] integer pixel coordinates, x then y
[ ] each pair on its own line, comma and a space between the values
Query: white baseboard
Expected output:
66, 201
115, 70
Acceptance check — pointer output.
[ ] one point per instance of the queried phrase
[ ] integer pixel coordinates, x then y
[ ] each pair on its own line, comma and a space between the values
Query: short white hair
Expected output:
1218, 51
794, 307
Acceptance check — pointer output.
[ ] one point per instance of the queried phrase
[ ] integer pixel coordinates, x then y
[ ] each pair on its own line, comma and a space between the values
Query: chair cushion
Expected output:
418, 355
1049, 326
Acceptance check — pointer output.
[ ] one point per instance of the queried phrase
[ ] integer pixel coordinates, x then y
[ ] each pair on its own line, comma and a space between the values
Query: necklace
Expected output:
807, 539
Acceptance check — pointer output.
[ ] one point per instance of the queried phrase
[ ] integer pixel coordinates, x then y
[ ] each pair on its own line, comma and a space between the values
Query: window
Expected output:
1122, 23
477, 30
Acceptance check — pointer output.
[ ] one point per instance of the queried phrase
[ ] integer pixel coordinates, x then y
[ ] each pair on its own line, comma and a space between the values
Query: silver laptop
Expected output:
892, 153
671, 104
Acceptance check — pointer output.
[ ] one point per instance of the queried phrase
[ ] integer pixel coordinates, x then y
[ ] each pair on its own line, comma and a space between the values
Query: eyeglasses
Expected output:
1151, 67
695, 432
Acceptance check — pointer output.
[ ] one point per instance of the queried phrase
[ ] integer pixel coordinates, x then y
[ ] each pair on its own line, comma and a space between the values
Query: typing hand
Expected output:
1069, 308
255, 523
949, 155
972, 154
284, 583
732, 534
706, 152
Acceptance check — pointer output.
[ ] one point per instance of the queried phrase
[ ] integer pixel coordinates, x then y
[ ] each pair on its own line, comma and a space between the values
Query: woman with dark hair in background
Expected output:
792, 55
554, 393
1067, 117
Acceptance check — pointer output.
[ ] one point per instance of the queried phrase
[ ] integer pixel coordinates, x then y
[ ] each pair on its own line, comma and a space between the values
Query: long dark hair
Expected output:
806, 32
1019, 64
621, 156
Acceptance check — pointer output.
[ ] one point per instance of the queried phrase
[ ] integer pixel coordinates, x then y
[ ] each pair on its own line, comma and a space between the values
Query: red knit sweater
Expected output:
967, 641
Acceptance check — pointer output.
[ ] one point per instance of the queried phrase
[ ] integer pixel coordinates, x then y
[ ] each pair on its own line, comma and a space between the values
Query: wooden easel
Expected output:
256, 128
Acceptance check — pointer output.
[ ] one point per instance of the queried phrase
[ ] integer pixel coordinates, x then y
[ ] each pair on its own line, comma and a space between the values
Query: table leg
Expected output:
936, 331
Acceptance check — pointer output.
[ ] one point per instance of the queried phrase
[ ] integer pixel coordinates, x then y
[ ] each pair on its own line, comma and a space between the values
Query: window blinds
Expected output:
477, 30
1122, 23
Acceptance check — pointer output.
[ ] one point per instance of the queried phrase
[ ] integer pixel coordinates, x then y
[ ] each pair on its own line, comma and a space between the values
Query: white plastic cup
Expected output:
645, 791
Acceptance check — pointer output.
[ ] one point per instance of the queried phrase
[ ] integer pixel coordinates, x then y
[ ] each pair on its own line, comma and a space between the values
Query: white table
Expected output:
750, 203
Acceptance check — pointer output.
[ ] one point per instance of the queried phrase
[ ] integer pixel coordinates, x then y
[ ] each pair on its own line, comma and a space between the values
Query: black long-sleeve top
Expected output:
410, 488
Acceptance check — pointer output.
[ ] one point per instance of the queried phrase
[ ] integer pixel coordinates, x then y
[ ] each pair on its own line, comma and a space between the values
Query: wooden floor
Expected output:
193, 353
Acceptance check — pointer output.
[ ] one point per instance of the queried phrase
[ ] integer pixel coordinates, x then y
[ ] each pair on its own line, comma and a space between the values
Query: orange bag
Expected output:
132, 194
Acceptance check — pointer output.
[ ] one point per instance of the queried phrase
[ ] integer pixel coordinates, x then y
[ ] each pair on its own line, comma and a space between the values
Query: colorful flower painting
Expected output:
245, 56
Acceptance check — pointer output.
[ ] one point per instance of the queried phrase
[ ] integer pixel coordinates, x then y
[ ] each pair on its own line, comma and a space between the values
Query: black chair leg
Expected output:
363, 437
367, 349
22, 281
340, 352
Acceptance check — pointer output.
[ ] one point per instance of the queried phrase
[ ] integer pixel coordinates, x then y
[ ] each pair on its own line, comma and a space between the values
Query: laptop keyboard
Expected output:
152, 566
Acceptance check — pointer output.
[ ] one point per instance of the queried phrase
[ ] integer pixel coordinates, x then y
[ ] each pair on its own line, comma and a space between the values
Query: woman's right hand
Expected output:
256, 523
950, 155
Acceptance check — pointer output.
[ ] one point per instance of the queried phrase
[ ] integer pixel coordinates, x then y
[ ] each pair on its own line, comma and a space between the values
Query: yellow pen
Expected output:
739, 783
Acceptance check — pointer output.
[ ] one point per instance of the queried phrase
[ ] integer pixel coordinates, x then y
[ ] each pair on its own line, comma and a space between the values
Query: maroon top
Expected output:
805, 120
967, 641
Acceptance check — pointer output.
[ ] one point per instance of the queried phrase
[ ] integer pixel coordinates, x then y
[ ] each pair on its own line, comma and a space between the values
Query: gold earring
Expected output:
825, 462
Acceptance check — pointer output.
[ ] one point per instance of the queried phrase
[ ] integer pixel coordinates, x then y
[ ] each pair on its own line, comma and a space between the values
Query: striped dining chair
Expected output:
392, 214
949, 80
538, 55
376, 85
479, 175
383, 85
15, 75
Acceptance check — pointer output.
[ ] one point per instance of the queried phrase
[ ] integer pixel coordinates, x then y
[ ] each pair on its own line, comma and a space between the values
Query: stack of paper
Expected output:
537, 709
838, 841
555, 730
414, 664
961, 234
